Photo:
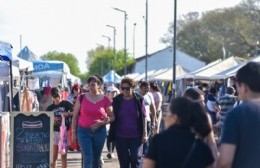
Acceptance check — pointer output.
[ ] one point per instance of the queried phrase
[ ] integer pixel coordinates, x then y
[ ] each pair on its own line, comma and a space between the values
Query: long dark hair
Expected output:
155, 87
191, 115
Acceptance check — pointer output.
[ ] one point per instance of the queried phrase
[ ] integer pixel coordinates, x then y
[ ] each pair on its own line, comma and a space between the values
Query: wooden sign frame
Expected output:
24, 128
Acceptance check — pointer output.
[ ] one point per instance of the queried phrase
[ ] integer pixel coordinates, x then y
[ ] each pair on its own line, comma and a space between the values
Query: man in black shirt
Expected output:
59, 107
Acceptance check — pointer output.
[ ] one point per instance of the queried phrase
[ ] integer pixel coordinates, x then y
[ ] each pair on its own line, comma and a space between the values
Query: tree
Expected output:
69, 59
104, 58
219, 33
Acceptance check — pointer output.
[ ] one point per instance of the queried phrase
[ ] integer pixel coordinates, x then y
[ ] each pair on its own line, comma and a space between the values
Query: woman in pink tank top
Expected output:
90, 116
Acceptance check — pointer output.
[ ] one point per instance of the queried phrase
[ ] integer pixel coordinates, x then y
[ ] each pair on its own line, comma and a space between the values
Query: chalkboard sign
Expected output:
31, 140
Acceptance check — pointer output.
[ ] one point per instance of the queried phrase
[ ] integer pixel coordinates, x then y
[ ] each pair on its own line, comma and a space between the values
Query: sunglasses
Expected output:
125, 88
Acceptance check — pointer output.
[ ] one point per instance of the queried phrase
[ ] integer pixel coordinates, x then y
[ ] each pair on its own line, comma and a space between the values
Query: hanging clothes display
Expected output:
29, 102
5, 137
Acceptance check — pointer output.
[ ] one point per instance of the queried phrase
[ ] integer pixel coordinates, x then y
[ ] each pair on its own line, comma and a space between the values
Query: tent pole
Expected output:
11, 86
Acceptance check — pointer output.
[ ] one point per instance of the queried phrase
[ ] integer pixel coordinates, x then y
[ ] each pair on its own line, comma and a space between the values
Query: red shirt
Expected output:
91, 112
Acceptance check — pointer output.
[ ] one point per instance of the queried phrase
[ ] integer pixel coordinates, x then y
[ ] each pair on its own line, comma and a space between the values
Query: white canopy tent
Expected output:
74, 79
132, 75
5, 74
142, 76
233, 70
22, 64
216, 67
168, 74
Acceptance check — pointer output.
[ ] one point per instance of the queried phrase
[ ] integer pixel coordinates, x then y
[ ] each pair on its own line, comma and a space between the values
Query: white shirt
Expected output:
148, 101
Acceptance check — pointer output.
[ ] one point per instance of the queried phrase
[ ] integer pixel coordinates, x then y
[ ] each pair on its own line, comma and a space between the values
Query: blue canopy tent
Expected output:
52, 69
112, 77
6, 55
40, 66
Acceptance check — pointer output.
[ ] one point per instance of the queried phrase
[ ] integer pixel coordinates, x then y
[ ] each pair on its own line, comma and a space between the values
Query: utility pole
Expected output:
114, 29
125, 17
146, 39
174, 51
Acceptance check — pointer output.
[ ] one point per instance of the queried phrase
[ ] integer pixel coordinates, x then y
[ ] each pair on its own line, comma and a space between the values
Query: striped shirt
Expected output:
226, 103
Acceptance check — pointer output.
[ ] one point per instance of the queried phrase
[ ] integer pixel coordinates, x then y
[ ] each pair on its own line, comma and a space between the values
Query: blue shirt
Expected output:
241, 128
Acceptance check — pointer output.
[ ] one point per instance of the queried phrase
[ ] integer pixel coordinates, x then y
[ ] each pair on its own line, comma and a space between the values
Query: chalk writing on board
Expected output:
32, 141
32, 124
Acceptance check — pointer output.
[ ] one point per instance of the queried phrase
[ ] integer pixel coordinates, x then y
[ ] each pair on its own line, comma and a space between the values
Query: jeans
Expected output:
127, 150
149, 134
110, 146
91, 144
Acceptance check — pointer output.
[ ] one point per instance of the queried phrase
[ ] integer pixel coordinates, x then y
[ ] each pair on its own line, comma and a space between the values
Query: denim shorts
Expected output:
56, 138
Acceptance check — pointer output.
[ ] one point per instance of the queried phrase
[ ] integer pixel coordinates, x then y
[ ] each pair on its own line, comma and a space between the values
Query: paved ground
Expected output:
74, 160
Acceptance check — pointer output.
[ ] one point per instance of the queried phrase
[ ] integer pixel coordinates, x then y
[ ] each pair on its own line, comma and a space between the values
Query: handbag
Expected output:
63, 138
74, 146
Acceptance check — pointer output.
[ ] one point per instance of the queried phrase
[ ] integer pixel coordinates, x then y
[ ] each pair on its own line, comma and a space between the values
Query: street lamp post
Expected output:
125, 17
113, 27
174, 51
134, 40
102, 59
109, 39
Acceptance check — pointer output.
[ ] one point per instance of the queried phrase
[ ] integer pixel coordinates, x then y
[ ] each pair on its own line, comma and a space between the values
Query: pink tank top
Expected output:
91, 112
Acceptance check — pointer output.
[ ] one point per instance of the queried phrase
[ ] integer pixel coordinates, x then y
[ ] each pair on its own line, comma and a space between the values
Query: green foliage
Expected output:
104, 59
234, 29
69, 59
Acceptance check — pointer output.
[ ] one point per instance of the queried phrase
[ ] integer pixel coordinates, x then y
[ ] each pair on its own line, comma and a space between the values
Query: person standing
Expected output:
112, 92
179, 145
59, 107
197, 95
89, 122
212, 105
157, 95
226, 103
240, 143
76, 90
150, 112
129, 128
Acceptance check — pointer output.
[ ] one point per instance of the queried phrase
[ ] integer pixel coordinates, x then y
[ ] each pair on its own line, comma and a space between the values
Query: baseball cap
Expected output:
112, 89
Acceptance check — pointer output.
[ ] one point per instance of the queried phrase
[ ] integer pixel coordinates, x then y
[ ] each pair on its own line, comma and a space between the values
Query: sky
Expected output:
77, 26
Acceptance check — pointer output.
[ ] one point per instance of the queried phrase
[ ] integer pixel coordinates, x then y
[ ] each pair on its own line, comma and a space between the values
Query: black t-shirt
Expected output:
241, 128
170, 148
63, 107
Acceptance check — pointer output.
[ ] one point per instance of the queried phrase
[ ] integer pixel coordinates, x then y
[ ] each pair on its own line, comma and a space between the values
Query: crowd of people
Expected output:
129, 119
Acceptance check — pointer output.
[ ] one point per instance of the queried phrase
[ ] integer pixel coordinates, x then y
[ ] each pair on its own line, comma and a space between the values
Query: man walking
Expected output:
226, 103
150, 111
240, 146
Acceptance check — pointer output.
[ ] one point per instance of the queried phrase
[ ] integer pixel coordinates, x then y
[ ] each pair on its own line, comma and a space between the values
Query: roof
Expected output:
215, 68
233, 70
164, 59
5, 51
112, 77
28, 55
168, 74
